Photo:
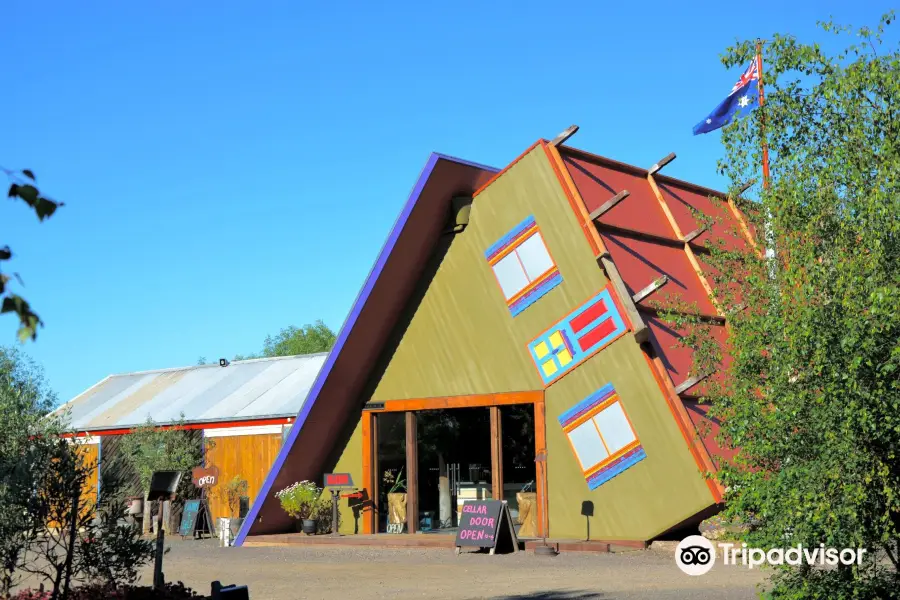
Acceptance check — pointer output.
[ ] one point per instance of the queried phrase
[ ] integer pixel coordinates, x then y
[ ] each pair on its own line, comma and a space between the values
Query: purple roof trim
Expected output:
346, 328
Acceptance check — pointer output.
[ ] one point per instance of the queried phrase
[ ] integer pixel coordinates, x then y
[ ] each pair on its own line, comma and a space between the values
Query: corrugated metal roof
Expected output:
244, 390
645, 237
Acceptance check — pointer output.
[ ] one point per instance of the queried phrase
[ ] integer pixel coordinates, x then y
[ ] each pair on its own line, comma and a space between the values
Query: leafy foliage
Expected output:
397, 484
24, 400
112, 551
52, 524
812, 392
232, 492
22, 187
170, 591
293, 341
301, 500
150, 448
308, 339
84, 538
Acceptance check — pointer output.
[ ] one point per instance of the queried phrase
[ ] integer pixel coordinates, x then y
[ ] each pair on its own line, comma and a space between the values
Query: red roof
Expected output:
644, 235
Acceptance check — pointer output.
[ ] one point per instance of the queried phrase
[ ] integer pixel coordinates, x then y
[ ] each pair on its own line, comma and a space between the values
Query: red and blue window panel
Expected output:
575, 338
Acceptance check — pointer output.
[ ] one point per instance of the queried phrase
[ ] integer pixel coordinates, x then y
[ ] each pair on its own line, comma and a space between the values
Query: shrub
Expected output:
171, 591
232, 493
300, 500
322, 513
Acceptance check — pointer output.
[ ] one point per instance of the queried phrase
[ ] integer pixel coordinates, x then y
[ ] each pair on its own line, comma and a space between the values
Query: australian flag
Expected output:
743, 98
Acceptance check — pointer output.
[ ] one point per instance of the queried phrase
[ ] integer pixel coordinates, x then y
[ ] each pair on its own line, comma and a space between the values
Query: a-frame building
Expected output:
528, 287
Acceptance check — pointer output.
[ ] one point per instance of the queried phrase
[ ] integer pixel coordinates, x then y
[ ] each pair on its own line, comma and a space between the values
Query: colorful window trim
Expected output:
584, 332
601, 436
522, 264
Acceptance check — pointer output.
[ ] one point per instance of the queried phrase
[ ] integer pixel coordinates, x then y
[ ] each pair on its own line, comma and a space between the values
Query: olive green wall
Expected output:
643, 501
461, 339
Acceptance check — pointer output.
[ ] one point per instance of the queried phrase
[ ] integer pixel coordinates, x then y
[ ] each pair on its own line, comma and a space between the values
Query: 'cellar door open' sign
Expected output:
487, 524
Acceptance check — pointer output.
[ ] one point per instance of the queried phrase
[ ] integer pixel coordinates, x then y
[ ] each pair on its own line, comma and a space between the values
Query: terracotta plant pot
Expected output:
309, 526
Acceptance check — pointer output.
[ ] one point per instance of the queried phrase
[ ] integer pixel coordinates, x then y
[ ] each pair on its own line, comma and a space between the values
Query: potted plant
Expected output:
323, 513
232, 492
300, 501
396, 501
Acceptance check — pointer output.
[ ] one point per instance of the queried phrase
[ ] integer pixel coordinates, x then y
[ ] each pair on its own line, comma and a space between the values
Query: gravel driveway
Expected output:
360, 573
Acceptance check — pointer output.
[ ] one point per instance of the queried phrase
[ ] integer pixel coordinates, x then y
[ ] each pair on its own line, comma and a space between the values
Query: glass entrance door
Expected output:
454, 459
427, 463
519, 472
391, 472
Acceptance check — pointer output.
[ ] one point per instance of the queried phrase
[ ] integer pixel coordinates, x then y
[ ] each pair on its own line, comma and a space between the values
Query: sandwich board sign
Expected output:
195, 519
487, 524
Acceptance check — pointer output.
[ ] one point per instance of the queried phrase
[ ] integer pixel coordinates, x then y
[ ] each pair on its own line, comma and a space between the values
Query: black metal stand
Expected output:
159, 581
335, 499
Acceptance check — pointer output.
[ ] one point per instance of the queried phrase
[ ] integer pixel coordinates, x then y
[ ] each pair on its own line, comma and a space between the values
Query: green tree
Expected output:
22, 187
150, 448
811, 395
47, 522
24, 400
292, 341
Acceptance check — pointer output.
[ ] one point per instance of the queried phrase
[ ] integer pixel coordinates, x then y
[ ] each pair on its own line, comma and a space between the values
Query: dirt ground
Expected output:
359, 573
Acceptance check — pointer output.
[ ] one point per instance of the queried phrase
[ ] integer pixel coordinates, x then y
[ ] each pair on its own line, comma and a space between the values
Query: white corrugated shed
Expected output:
242, 391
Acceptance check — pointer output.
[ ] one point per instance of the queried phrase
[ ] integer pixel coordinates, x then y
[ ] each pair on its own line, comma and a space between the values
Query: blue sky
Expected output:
231, 168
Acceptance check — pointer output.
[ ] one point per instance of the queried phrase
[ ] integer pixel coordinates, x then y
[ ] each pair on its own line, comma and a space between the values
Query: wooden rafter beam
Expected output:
654, 285
656, 239
688, 250
640, 330
565, 135
690, 382
608, 205
694, 234
702, 317
733, 201
665, 160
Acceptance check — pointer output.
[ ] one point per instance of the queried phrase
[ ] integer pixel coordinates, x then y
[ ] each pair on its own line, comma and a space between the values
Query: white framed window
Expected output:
527, 263
522, 265
602, 437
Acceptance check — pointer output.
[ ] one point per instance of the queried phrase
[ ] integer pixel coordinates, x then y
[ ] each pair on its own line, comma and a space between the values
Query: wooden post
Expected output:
375, 469
158, 581
496, 454
335, 499
540, 450
369, 470
412, 474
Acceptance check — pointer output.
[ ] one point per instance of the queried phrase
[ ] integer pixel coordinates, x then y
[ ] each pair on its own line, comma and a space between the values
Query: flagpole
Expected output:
762, 128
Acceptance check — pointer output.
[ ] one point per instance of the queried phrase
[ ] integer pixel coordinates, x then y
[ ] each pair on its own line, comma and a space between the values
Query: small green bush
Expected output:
300, 500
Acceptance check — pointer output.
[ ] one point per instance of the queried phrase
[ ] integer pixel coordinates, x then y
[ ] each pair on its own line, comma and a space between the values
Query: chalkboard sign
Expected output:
194, 518
486, 524
189, 517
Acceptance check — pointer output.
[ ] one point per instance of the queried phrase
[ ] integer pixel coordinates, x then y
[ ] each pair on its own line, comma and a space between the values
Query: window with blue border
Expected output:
602, 437
581, 334
522, 264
